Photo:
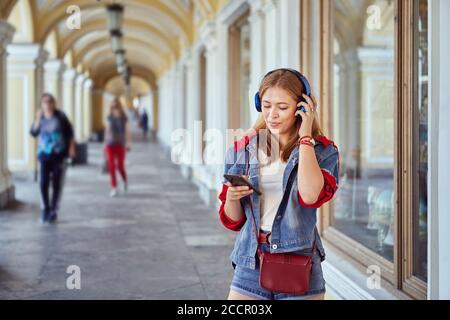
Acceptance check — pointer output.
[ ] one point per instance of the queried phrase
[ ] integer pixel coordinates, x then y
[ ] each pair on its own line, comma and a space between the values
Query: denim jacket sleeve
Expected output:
329, 164
226, 220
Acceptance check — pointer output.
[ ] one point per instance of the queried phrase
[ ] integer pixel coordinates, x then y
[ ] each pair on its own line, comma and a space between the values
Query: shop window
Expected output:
374, 94
363, 122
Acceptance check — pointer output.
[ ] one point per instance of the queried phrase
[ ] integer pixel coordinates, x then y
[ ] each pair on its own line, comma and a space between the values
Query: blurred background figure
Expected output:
117, 143
143, 124
56, 143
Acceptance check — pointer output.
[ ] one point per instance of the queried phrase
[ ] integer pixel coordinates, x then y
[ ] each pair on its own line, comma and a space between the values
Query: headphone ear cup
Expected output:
301, 108
258, 102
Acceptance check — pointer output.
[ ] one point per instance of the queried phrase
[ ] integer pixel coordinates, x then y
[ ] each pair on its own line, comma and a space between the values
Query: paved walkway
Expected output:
157, 242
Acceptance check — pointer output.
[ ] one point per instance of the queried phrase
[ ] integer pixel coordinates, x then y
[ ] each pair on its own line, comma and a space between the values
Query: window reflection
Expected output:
421, 154
363, 121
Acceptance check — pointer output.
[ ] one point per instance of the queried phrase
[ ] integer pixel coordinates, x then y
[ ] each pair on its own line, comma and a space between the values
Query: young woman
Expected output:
300, 142
56, 143
117, 143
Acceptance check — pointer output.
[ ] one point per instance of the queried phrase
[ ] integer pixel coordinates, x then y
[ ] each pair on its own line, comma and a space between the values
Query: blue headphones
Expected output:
300, 77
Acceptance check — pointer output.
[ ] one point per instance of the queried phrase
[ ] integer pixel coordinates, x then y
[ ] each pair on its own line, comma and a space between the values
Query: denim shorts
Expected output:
246, 282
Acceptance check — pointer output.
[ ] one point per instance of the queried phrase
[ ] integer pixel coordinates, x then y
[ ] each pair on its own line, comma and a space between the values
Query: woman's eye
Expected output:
267, 107
283, 108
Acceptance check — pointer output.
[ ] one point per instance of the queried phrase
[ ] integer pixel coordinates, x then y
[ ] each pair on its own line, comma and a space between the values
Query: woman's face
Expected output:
47, 105
278, 109
115, 109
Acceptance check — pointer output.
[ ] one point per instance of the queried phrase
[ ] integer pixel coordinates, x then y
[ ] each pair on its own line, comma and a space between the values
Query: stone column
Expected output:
79, 108
257, 53
6, 183
87, 109
439, 153
210, 40
213, 121
68, 100
272, 41
97, 110
155, 106
25, 88
289, 28
54, 75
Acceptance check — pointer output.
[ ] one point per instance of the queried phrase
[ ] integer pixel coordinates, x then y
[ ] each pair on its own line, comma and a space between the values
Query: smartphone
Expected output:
239, 181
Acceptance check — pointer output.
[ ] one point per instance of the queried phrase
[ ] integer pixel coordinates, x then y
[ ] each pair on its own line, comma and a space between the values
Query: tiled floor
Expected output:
157, 242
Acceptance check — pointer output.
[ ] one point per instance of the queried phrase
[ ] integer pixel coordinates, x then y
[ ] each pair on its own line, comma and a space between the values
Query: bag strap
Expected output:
247, 165
282, 207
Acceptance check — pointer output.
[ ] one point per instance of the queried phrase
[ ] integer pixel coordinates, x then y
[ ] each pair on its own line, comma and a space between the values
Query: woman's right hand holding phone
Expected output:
233, 207
237, 193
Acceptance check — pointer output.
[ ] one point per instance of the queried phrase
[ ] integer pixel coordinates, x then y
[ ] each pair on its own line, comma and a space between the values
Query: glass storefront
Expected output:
363, 121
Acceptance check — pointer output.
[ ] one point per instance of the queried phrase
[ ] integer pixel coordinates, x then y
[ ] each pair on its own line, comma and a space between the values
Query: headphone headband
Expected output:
301, 77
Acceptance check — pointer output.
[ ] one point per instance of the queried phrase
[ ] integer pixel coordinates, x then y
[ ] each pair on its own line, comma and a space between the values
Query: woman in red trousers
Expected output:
117, 143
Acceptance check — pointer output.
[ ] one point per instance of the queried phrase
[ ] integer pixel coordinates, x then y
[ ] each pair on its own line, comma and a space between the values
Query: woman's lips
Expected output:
273, 124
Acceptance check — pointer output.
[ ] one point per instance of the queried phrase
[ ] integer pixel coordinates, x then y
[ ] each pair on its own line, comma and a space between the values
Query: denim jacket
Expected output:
293, 231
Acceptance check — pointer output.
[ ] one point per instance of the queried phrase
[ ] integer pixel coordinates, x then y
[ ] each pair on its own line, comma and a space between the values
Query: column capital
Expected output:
6, 34
6, 182
55, 66
208, 35
256, 6
70, 74
25, 55
269, 6
88, 84
80, 79
186, 58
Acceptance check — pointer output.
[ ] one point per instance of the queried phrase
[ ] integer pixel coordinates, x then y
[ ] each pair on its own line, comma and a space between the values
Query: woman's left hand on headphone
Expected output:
307, 117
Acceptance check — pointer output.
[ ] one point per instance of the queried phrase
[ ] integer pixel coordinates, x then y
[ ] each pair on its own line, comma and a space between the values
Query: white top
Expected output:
271, 186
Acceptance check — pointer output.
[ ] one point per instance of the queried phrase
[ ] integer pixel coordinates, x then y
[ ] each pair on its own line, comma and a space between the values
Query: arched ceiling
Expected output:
155, 32
139, 86
6, 8
108, 71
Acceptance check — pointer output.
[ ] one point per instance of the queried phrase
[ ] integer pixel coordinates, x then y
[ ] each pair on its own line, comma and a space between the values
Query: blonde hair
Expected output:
287, 81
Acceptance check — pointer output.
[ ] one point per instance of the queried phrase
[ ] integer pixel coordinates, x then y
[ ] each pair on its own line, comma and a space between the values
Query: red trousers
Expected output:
113, 154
